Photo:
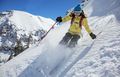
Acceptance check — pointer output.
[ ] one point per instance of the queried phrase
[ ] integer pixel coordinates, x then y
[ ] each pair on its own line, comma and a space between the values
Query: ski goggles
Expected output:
77, 12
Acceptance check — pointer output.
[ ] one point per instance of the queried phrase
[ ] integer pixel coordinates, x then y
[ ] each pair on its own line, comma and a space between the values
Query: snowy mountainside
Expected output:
18, 28
95, 58
103, 59
91, 58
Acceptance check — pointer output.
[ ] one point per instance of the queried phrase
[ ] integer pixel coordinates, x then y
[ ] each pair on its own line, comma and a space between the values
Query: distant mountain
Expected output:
19, 30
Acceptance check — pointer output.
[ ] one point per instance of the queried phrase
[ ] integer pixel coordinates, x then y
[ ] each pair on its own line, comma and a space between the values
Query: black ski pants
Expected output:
70, 40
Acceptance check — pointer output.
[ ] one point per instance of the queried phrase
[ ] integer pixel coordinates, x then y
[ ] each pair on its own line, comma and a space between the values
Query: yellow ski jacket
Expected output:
74, 27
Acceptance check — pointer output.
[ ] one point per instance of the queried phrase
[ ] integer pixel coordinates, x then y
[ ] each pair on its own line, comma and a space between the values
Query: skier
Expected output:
78, 19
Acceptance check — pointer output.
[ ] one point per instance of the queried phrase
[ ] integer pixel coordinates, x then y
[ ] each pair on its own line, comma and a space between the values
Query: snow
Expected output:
103, 8
103, 58
32, 22
19, 26
91, 58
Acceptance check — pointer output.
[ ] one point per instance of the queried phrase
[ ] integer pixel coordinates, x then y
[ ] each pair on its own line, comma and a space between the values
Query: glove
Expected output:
93, 36
59, 19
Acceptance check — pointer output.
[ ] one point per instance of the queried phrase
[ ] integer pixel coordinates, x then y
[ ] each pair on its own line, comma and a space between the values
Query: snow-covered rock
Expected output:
18, 28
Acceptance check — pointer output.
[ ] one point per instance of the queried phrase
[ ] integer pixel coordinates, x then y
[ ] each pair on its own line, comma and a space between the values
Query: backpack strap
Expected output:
82, 17
73, 17
80, 22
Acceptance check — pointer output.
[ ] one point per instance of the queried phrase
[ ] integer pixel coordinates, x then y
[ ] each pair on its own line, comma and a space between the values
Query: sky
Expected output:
45, 8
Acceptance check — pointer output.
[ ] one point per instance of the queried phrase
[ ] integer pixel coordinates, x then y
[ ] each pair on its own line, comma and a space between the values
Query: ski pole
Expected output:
46, 33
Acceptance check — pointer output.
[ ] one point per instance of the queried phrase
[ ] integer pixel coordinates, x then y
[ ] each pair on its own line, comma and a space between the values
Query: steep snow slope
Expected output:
103, 58
91, 58
103, 8
94, 57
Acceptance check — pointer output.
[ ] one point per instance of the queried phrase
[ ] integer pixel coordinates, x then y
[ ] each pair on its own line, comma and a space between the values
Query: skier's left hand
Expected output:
93, 36
59, 19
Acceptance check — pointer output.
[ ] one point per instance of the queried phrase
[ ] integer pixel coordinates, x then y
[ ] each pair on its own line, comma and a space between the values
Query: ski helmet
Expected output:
77, 10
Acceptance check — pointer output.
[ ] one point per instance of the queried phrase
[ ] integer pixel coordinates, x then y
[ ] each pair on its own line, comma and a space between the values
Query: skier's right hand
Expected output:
59, 19
93, 36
